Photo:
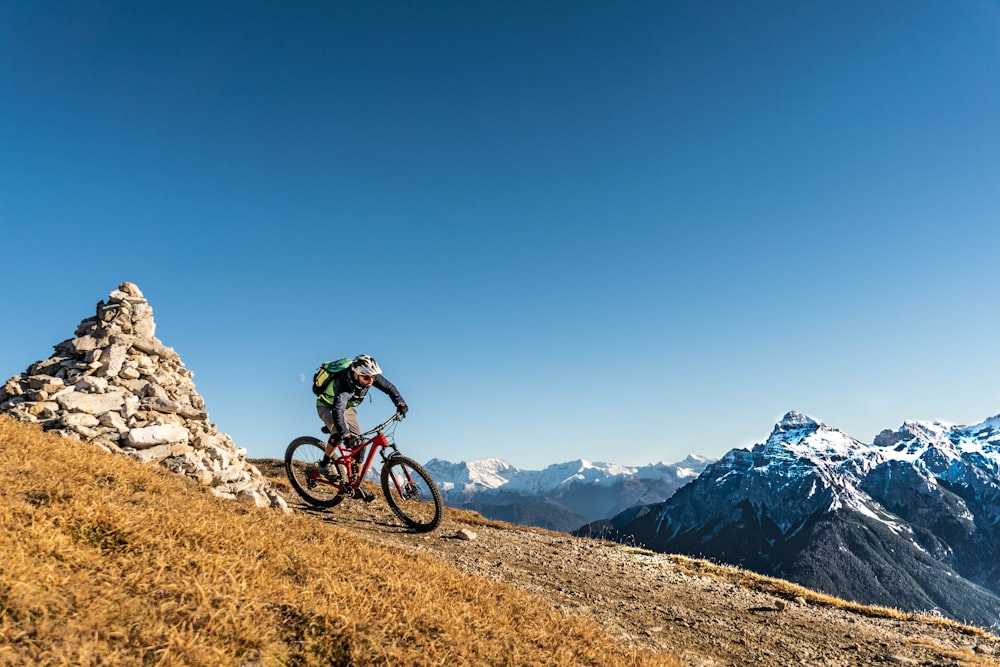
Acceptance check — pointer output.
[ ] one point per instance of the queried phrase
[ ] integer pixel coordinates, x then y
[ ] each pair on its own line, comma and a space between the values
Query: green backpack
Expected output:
324, 374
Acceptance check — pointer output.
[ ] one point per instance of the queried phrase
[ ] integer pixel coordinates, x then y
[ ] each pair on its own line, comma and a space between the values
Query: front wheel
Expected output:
411, 493
302, 467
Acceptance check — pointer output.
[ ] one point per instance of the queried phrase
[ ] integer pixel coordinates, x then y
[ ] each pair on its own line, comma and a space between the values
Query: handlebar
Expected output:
381, 427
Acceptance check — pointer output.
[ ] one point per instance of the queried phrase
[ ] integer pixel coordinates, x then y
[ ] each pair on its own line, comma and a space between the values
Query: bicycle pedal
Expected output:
361, 494
330, 474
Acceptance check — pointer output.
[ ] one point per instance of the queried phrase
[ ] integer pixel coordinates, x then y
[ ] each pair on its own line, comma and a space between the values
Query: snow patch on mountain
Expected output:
561, 493
933, 486
690, 467
470, 476
800, 436
943, 450
497, 474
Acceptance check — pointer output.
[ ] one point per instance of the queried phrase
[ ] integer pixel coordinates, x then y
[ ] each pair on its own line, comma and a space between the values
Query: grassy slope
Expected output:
108, 562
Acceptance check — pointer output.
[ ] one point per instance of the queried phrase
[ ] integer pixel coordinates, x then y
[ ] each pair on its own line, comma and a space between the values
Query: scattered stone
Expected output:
465, 534
116, 385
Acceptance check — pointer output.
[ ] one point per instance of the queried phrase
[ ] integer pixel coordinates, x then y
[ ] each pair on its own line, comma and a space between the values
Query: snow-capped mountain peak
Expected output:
794, 421
591, 489
690, 467
938, 447
489, 473
915, 515
984, 436
798, 436
911, 441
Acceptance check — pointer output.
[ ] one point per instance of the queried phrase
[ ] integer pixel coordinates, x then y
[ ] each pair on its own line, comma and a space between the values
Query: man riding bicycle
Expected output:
337, 405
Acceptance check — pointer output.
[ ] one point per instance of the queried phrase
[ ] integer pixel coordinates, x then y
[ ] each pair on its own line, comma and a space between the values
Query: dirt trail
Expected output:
646, 601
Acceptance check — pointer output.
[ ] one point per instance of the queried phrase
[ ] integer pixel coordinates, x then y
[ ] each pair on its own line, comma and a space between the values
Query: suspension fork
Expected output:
393, 451
408, 482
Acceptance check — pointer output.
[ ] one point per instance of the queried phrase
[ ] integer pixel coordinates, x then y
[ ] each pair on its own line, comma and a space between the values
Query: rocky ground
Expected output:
647, 601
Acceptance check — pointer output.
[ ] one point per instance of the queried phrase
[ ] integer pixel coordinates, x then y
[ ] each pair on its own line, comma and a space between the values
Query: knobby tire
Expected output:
419, 506
302, 455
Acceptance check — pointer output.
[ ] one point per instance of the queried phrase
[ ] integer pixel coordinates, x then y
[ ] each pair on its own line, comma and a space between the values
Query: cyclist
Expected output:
337, 405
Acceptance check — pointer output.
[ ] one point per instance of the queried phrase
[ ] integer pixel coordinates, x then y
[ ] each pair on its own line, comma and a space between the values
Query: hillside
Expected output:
110, 562
911, 520
708, 615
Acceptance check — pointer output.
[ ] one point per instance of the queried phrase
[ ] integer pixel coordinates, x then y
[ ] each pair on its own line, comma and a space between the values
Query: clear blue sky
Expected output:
619, 231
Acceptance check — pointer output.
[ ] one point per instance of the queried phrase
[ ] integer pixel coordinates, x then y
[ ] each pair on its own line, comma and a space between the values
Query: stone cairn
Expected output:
117, 386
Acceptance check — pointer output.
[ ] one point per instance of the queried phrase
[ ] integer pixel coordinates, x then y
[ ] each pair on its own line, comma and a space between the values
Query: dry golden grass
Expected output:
962, 657
789, 591
473, 518
107, 562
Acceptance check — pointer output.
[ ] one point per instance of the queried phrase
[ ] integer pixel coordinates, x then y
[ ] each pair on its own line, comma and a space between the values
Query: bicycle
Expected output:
408, 489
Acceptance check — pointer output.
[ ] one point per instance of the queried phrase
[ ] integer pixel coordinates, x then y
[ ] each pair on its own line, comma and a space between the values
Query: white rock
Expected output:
219, 493
114, 421
46, 383
152, 454
144, 326
94, 404
148, 436
113, 359
227, 475
79, 419
85, 343
253, 497
93, 385
85, 432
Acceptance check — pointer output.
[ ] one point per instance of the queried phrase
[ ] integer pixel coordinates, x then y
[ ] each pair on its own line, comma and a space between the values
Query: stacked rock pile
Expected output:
117, 386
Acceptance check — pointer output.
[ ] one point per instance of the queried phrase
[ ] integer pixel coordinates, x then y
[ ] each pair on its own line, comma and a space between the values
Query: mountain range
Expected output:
911, 520
562, 496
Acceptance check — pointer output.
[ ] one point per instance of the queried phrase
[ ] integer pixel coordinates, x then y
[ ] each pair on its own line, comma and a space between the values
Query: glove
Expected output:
401, 410
349, 442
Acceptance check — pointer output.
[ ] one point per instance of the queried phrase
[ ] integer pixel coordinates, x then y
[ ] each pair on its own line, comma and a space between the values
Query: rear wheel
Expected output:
411, 493
302, 467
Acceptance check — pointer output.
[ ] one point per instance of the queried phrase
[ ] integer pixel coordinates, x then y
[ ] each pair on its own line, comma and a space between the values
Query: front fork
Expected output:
404, 486
393, 451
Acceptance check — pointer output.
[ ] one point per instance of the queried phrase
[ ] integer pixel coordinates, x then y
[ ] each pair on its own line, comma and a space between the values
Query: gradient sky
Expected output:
618, 231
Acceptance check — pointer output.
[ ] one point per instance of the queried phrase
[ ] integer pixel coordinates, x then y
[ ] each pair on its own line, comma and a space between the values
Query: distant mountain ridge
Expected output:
911, 520
562, 496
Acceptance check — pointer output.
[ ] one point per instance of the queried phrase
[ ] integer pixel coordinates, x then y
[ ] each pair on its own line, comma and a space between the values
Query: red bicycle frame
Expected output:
347, 457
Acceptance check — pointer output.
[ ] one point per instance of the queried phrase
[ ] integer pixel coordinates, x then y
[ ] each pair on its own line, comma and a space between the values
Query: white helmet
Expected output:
365, 365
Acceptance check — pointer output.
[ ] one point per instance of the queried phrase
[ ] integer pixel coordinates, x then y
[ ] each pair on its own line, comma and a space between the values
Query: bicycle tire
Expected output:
419, 506
302, 455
